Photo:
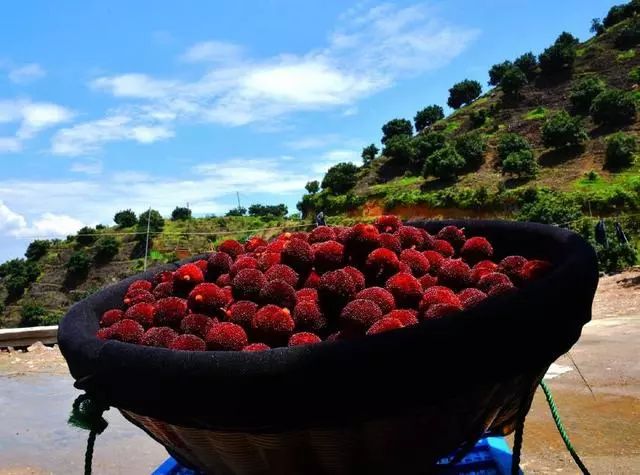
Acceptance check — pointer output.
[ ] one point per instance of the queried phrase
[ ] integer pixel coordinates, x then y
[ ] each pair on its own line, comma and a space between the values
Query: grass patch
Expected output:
626, 55
452, 126
399, 184
539, 113
580, 52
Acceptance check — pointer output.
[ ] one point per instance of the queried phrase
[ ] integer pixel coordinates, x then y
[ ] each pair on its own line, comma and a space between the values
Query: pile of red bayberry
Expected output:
301, 288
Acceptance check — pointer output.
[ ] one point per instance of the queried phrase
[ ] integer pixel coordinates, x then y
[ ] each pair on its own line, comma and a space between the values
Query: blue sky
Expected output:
112, 105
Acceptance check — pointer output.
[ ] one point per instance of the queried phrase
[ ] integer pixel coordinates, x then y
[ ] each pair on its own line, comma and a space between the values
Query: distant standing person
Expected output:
320, 219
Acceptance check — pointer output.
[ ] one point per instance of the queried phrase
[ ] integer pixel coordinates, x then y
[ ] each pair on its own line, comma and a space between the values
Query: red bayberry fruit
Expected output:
381, 297
188, 343
162, 277
110, 317
391, 242
310, 295
405, 316
476, 249
453, 235
440, 310
127, 331
512, 266
186, 277
381, 264
360, 241
276, 246
388, 223
471, 297
298, 255
341, 233
273, 325
427, 281
223, 281
256, 347
104, 333
142, 313
197, 324
158, 336
427, 239
358, 315
500, 289
455, 273
243, 262
207, 298
303, 338
492, 279
254, 243
162, 290
335, 289
282, 272
483, 268
247, 284
356, 276
406, 290
416, 261
385, 324
202, 264
226, 336
278, 292
321, 234
312, 280
231, 247
328, 255
267, 260
170, 311
435, 260
410, 237
534, 269
308, 316
302, 235
218, 263
242, 313
140, 284
138, 296
438, 295
443, 247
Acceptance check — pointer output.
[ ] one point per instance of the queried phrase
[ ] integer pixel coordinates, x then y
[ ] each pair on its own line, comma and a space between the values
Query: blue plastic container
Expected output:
490, 456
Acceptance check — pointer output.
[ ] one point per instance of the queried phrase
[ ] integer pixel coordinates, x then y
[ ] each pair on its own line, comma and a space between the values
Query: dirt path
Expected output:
37, 393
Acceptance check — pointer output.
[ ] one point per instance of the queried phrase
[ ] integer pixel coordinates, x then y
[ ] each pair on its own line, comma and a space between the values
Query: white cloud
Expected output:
9, 144
212, 51
332, 157
10, 221
46, 225
26, 73
88, 167
367, 51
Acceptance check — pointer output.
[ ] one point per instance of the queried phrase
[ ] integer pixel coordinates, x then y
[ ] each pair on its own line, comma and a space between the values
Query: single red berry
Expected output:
267, 260
218, 263
416, 261
435, 260
312, 280
303, 338
471, 297
302, 235
298, 255
127, 331
242, 313
454, 235
158, 336
110, 317
391, 242
197, 324
188, 343
226, 336
381, 264
310, 295
276, 246
138, 296
223, 281
492, 279
186, 277
512, 266
170, 311
358, 315
443, 247
455, 273
388, 224
243, 262
356, 276
440, 310
327, 255
202, 264
321, 234
476, 249
278, 292
142, 313
140, 284
163, 289
500, 289
405, 316
273, 325
381, 297
207, 298
427, 281
410, 237
162, 277
308, 316
231, 247
437, 295
282, 272
256, 347
248, 284
335, 289
406, 290
360, 241
483, 268
534, 269
428, 240
385, 324
104, 333
254, 243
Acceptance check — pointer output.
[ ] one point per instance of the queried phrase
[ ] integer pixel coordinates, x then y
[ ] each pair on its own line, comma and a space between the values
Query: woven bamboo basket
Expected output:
387, 404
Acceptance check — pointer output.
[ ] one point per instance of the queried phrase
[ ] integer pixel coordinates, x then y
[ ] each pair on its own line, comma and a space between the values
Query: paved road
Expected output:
37, 393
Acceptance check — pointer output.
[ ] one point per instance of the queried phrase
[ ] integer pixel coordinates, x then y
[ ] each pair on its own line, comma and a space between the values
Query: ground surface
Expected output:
37, 393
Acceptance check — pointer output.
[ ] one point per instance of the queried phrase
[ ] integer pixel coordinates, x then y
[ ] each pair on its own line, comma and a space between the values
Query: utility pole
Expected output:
238, 196
146, 246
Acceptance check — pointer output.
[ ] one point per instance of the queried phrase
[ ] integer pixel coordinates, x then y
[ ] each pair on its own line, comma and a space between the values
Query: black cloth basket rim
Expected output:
336, 383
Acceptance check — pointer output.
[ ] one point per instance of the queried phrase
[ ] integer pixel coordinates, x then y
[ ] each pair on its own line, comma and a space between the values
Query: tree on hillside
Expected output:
497, 72
561, 130
156, 221
621, 151
17, 274
584, 92
86, 236
618, 13
445, 164
629, 36
396, 127
106, 248
512, 82
425, 145
597, 27
521, 164
37, 249
560, 56
340, 178
528, 64
239, 211
125, 218
510, 143
180, 214
463, 92
369, 154
401, 150
275, 211
312, 186
471, 146
428, 116
613, 107
78, 265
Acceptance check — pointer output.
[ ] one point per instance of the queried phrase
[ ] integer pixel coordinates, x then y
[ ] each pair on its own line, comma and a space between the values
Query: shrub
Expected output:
427, 117
31, 314
86, 236
629, 36
340, 178
591, 175
426, 144
562, 130
17, 274
125, 218
559, 56
445, 163
477, 118
180, 213
617, 13
596, 27
550, 208
616, 257
497, 71
463, 92
509, 143
528, 64
368, 155
154, 220
401, 149
634, 75
521, 163
313, 186
239, 211
37, 249
272, 211
513, 81
106, 248
78, 264
584, 92
621, 150
613, 107
471, 146
394, 128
